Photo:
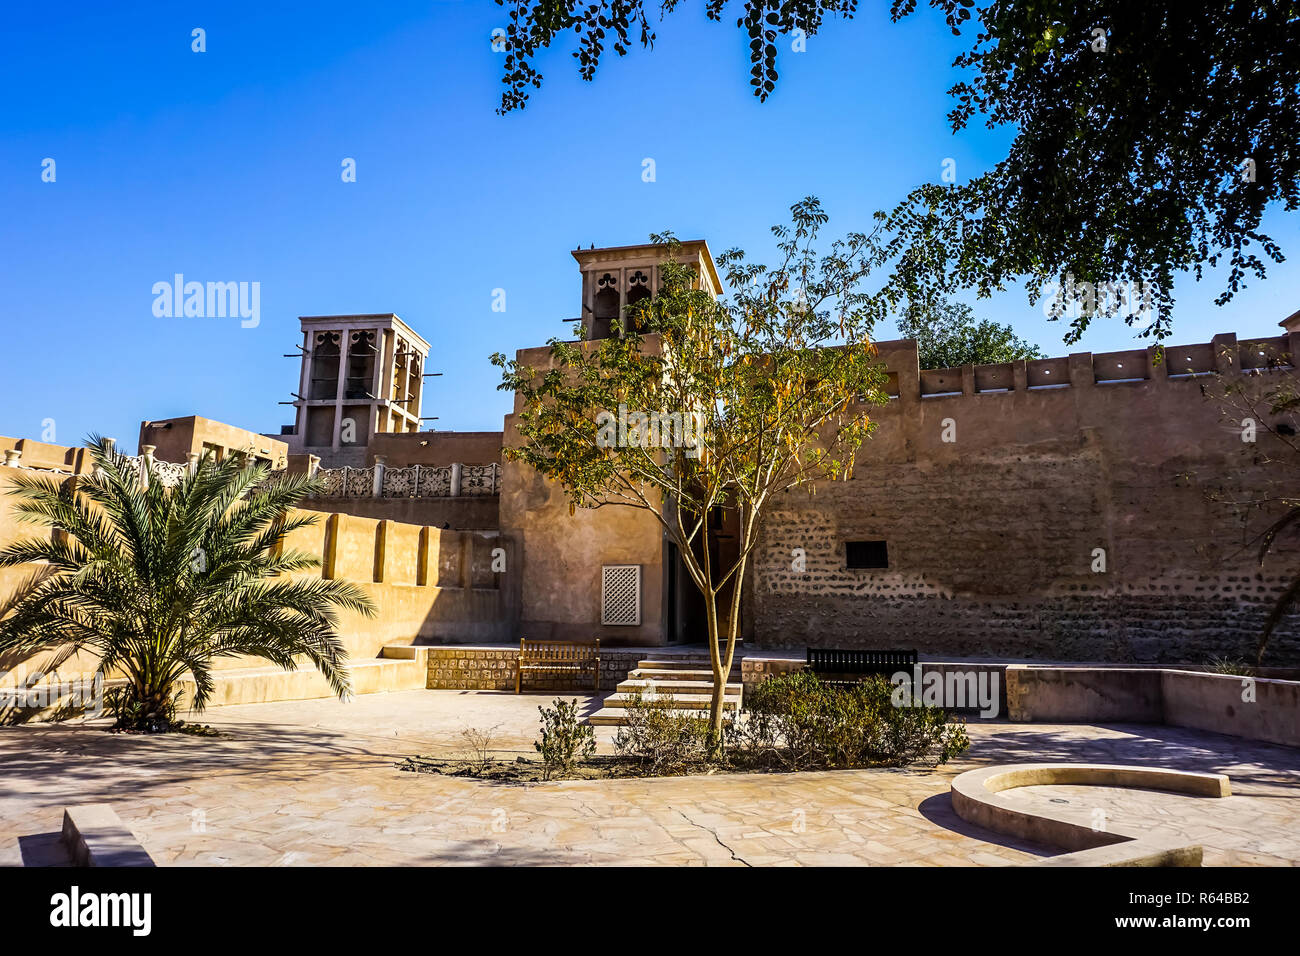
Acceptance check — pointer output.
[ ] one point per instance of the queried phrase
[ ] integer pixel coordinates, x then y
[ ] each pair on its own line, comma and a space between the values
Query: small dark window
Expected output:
1285, 428
866, 554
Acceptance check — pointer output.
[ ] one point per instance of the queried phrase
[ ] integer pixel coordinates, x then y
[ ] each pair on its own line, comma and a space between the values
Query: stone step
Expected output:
617, 716
675, 663
677, 701
405, 652
683, 684
704, 674
675, 686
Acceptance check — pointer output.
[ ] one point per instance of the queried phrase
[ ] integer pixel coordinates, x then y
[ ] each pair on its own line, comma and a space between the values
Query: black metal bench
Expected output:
848, 667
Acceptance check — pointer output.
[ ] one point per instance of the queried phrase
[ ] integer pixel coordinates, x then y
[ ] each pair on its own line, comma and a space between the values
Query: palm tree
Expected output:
158, 581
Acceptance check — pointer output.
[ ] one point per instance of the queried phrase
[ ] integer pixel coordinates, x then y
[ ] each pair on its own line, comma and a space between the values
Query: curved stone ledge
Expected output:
976, 797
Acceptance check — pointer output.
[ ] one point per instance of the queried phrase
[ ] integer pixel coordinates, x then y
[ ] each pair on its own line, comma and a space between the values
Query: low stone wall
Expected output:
977, 798
1255, 708
1085, 694
259, 685
493, 668
1026, 693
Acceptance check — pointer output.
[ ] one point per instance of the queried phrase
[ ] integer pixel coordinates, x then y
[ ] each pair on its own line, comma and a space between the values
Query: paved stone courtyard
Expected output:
316, 782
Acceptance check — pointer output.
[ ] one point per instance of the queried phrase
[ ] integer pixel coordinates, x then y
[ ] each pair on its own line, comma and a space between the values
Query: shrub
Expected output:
917, 734
1229, 665
659, 738
565, 739
479, 743
799, 722
780, 727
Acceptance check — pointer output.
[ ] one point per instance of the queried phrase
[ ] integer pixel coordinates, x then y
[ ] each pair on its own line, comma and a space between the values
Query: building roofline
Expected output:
584, 254
392, 317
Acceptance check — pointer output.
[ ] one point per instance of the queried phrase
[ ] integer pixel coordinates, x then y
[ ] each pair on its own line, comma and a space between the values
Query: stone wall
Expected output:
992, 537
755, 669
990, 558
430, 584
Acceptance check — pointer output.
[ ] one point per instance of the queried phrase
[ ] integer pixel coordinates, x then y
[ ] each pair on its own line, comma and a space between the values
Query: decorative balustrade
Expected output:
146, 466
166, 473
411, 481
378, 481
479, 479
333, 482
417, 481
169, 473
358, 482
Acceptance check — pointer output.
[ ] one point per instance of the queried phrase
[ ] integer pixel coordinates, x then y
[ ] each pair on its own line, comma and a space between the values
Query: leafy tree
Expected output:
158, 581
1150, 137
762, 405
948, 336
534, 25
1150, 140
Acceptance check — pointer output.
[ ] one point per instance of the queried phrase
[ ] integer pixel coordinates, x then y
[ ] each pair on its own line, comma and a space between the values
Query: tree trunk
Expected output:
716, 712
148, 705
721, 670
721, 663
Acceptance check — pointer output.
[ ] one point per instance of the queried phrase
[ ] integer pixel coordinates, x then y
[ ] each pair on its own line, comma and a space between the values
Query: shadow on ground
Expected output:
939, 811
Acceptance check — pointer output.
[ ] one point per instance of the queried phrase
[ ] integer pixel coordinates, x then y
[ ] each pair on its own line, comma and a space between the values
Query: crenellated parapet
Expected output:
1224, 354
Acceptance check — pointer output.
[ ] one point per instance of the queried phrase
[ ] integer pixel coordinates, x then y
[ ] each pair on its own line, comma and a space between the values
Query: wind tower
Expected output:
361, 375
617, 276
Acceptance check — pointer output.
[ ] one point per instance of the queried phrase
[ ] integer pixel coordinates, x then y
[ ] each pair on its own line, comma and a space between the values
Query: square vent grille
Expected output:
620, 594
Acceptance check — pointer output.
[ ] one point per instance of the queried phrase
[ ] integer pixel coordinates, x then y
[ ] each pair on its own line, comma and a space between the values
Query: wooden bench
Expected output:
558, 657
858, 664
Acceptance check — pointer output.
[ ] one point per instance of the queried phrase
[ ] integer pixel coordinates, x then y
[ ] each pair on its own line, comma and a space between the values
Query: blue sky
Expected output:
225, 166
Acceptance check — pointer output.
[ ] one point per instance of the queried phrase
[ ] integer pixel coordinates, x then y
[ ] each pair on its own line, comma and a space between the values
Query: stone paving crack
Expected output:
714, 833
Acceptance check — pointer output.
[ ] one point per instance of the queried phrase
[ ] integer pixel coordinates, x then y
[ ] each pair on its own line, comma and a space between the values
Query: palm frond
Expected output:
1285, 602
1276, 528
